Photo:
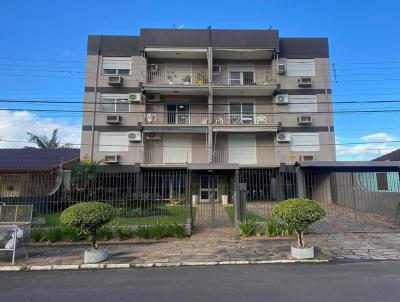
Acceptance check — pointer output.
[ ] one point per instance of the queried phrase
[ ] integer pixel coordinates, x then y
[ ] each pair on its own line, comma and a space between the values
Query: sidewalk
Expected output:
218, 246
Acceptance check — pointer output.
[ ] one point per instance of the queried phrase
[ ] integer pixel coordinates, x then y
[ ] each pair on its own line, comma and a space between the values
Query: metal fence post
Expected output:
300, 182
239, 199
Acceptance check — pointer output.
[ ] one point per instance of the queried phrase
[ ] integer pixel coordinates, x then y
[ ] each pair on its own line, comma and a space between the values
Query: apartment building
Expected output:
207, 98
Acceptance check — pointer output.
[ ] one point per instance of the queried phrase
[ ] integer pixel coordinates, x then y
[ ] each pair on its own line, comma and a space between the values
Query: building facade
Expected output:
177, 98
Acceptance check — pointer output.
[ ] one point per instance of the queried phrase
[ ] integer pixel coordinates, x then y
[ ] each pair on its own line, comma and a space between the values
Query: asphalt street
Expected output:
368, 281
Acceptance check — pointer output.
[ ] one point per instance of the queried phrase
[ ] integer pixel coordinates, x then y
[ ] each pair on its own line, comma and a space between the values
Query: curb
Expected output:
101, 266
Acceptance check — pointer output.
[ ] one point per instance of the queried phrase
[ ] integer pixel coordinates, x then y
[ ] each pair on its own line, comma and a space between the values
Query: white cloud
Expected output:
15, 124
373, 145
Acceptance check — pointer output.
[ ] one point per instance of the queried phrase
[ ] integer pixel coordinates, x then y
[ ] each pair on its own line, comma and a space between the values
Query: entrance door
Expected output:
209, 188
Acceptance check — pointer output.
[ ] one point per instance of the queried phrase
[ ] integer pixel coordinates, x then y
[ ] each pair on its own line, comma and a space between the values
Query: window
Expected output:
113, 141
117, 65
114, 103
304, 142
382, 181
302, 103
178, 114
241, 112
241, 75
300, 67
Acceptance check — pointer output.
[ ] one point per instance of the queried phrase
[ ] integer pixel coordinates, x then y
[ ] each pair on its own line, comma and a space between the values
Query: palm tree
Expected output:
45, 142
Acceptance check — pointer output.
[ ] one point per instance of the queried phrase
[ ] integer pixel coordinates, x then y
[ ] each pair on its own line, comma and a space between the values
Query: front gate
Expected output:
209, 191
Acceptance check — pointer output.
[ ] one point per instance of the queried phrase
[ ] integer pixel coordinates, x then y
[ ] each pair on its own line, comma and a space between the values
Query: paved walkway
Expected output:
220, 244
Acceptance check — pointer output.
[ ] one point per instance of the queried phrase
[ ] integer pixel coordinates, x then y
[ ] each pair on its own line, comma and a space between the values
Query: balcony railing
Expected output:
243, 118
164, 74
244, 78
176, 118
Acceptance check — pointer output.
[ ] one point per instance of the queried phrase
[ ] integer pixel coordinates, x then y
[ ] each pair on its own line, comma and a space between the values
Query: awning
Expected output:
213, 167
349, 166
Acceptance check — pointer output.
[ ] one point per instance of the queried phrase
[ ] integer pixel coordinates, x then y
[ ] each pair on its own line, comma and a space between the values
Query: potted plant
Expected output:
88, 217
201, 77
171, 76
187, 79
298, 214
224, 191
195, 193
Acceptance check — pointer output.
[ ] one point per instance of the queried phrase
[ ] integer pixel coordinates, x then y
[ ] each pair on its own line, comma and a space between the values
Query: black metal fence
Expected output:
354, 201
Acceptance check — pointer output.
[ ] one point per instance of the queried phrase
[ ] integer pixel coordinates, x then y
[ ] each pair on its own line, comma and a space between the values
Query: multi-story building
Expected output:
173, 98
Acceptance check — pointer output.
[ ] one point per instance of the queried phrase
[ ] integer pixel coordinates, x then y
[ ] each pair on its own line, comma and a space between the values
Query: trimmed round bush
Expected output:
298, 214
87, 217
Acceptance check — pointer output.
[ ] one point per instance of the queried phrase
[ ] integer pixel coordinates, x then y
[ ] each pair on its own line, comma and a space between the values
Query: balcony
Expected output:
244, 80
176, 118
228, 121
177, 78
174, 156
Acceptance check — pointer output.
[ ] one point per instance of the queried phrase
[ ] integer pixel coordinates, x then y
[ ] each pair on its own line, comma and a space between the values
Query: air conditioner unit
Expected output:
153, 68
304, 120
307, 158
111, 159
216, 69
115, 81
113, 119
281, 69
134, 97
153, 136
134, 136
153, 98
283, 137
304, 82
282, 99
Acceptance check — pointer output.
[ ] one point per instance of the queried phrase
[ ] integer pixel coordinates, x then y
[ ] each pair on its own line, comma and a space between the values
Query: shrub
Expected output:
87, 217
272, 228
105, 233
247, 227
54, 234
260, 231
123, 233
143, 232
38, 235
39, 221
72, 234
158, 231
298, 214
176, 230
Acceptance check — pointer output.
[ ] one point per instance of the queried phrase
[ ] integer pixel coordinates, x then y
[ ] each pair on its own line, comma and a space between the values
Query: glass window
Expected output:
300, 67
241, 113
235, 78
302, 103
114, 103
382, 181
178, 114
117, 65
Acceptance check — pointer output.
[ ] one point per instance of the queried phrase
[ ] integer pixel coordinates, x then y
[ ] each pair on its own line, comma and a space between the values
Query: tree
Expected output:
298, 214
45, 142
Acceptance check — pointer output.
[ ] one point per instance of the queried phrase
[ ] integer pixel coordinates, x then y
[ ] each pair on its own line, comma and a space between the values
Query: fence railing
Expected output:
246, 78
243, 118
256, 156
177, 118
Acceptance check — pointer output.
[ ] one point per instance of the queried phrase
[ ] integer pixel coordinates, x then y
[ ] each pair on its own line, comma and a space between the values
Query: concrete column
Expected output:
210, 128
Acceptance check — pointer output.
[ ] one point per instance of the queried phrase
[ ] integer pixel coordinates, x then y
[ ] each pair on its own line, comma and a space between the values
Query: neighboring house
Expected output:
207, 99
33, 172
383, 181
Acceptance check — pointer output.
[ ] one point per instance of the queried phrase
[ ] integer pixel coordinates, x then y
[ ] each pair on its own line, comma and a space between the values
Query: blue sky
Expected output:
39, 37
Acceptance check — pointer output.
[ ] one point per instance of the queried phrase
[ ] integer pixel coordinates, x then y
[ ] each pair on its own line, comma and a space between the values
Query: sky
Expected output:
43, 47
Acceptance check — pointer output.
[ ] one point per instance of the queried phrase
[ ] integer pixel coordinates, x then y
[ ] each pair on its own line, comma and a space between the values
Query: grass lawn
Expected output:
230, 211
176, 214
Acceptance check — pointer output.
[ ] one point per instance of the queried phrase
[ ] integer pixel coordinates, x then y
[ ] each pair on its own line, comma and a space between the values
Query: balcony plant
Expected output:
171, 76
224, 190
88, 217
298, 214
195, 193
201, 78
187, 79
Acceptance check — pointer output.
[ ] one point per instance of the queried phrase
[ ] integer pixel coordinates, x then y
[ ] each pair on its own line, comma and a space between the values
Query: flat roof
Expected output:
349, 166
